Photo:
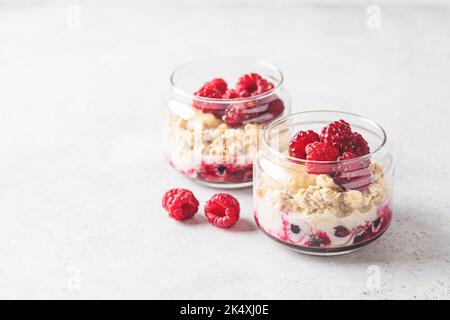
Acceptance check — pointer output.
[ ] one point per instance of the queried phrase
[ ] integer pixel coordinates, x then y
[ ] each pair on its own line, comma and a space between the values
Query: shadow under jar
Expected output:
215, 140
323, 207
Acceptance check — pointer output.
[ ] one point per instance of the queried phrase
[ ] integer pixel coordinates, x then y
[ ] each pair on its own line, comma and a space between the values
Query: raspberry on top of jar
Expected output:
238, 114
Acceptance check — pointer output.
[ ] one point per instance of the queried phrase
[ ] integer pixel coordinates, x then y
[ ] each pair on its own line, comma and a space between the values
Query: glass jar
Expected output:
318, 207
215, 140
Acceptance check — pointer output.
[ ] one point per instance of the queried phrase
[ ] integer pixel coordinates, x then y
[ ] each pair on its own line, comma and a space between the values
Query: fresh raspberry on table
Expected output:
300, 141
180, 203
222, 210
338, 134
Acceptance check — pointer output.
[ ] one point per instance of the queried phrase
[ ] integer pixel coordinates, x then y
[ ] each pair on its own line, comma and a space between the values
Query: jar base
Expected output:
218, 185
324, 252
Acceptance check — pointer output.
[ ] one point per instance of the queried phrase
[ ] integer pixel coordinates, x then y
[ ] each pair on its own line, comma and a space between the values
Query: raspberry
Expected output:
262, 85
235, 115
320, 151
360, 145
209, 90
213, 89
352, 175
244, 94
239, 113
180, 203
222, 210
338, 134
347, 156
253, 84
219, 84
276, 108
300, 141
247, 82
231, 94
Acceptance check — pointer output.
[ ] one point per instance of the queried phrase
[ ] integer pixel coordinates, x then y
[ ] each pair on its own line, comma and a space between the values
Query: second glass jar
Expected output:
215, 140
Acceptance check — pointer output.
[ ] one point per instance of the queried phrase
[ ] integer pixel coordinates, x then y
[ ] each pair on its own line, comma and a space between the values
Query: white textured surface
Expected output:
81, 166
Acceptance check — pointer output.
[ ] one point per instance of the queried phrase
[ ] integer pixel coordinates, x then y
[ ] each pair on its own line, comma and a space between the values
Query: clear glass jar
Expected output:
199, 142
318, 207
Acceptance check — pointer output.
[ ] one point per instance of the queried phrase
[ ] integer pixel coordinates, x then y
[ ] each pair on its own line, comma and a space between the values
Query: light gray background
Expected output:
81, 166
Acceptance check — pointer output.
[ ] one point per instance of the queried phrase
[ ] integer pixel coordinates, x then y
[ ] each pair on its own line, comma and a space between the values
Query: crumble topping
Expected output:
314, 194
205, 136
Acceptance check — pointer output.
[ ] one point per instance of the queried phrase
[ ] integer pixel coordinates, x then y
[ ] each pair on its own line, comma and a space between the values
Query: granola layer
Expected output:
312, 210
200, 139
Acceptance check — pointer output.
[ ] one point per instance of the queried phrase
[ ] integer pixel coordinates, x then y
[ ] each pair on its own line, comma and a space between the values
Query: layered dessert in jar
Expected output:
216, 117
323, 182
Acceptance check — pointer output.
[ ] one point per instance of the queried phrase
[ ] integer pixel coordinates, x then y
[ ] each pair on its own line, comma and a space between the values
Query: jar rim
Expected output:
304, 161
227, 101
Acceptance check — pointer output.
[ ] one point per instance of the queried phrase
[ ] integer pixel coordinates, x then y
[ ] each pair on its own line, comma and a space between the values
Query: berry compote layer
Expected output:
216, 137
328, 197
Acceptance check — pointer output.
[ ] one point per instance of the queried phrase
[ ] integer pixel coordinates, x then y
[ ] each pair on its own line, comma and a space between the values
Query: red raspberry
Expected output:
347, 156
240, 113
219, 84
276, 108
213, 89
320, 151
235, 115
180, 203
209, 90
262, 85
247, 82
352, 175
360, 145
231, 94
300, 141
338, 134
222, 210
244, 94
253, 84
